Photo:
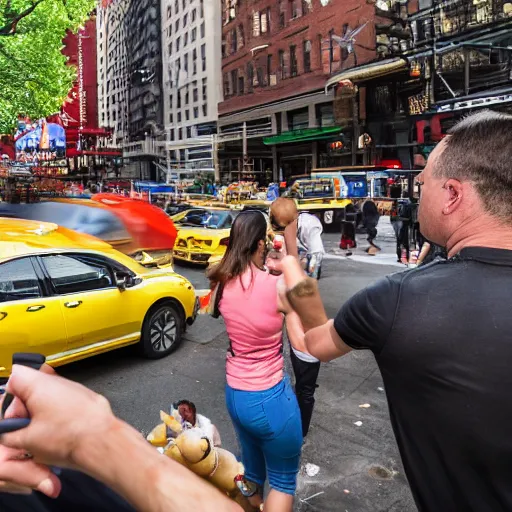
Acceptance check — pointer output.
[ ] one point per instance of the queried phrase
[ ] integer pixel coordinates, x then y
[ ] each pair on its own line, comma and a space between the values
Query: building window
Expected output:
240, 85
169, 12
193, 35
196, 112
205, 89
177, 25
170, 48
306, 54
201, 9
170, 100
184, 3
187, 115
256, 24
195, 95
202, 30
250, 77
234, 81
293, 60
306, 6
176, 6
294, 11
189, 132
282, 13
269, 69
171, 118
179, 120
169, 30
325, 114
234, 46
185, 20
205, 109
260, 77
172, 134
240, 36
180, 132
178, 40
203, 56
298, 119
185, 39
178, 105
194, 14
282, 68
185, 62
187, 97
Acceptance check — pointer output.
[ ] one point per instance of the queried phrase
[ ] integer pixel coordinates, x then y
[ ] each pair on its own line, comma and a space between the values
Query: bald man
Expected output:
303, 239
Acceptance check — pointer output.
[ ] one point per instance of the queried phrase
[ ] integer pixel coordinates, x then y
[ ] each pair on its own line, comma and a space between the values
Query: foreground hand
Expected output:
19, 474
64, 415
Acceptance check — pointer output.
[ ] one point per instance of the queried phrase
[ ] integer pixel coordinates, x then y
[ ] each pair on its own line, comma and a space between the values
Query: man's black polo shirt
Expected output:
442, 337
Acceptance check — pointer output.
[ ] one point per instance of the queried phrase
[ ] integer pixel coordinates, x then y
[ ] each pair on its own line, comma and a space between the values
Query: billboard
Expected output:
39, 141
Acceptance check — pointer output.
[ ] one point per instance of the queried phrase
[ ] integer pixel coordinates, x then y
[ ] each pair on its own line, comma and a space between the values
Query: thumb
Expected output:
23, 381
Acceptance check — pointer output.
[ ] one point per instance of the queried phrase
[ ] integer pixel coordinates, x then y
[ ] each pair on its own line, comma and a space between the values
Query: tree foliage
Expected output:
34, 77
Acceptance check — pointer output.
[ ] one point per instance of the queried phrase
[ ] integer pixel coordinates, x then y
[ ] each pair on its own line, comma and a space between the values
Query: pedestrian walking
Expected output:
441, 333
303, 239
371, 218
259, 397
401, 223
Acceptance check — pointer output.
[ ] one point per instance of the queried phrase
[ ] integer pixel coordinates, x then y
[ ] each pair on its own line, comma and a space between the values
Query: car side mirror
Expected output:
123, 280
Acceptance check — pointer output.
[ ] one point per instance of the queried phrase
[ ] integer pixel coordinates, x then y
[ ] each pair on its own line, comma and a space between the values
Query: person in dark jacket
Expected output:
371, 218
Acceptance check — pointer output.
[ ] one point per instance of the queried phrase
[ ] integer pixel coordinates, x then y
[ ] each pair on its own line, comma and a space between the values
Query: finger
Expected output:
27, 473
14, 489
17, 409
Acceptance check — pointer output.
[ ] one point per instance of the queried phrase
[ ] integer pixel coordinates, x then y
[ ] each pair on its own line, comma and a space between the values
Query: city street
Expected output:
359, 467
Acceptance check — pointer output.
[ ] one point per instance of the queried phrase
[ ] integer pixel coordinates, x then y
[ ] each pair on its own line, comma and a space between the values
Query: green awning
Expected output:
303, 135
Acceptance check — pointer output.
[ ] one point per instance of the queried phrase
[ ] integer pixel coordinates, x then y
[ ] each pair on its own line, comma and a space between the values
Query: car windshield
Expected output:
212, 219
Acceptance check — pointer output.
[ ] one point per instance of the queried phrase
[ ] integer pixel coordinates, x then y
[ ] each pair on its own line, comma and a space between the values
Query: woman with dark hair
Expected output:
259, 397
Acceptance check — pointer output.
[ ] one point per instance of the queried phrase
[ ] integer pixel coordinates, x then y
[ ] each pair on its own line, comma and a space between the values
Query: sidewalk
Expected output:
385, 240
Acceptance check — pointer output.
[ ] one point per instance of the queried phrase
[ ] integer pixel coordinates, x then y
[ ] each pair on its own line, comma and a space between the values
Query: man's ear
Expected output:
453, 196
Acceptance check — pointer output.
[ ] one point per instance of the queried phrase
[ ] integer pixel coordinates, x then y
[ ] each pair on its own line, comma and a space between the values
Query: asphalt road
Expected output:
359, 466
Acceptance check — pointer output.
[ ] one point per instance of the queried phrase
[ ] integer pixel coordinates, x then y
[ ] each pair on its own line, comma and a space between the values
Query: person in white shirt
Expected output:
190, 416
303, 239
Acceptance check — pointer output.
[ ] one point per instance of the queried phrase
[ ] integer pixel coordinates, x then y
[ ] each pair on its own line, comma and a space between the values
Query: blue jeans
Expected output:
269, 430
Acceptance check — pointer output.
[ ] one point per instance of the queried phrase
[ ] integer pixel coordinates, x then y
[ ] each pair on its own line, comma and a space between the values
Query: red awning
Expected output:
98, 152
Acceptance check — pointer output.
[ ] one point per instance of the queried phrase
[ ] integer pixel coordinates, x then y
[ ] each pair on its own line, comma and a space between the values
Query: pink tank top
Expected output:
255, 330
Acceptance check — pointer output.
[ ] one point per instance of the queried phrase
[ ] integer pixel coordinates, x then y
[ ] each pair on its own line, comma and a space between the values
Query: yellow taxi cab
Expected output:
203, 234
70, 296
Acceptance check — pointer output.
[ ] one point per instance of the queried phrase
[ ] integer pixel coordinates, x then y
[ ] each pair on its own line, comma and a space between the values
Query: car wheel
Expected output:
162, 331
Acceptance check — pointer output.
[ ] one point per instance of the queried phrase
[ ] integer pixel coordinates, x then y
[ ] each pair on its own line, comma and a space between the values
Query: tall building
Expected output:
130, 82
191, 42
113, 76
276, 119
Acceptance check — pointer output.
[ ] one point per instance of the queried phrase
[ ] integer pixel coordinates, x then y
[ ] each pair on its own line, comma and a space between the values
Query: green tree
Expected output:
34, 77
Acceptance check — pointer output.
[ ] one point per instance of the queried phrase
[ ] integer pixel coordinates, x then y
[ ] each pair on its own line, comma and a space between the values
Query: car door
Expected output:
30, 320
96, 312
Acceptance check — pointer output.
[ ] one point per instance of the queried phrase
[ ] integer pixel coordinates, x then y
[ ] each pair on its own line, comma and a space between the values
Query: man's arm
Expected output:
290, 238
365, 321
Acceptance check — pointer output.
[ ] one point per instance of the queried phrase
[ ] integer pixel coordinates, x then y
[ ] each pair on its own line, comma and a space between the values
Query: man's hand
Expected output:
19, 474
63, 413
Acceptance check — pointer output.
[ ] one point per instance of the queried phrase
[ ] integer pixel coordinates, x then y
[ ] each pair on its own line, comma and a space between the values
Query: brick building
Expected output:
276, 119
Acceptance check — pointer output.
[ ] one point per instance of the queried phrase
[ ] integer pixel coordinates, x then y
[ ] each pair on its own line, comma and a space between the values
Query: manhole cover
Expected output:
380, 473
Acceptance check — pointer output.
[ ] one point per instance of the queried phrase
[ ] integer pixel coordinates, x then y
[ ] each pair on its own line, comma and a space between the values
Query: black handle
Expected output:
31, 360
